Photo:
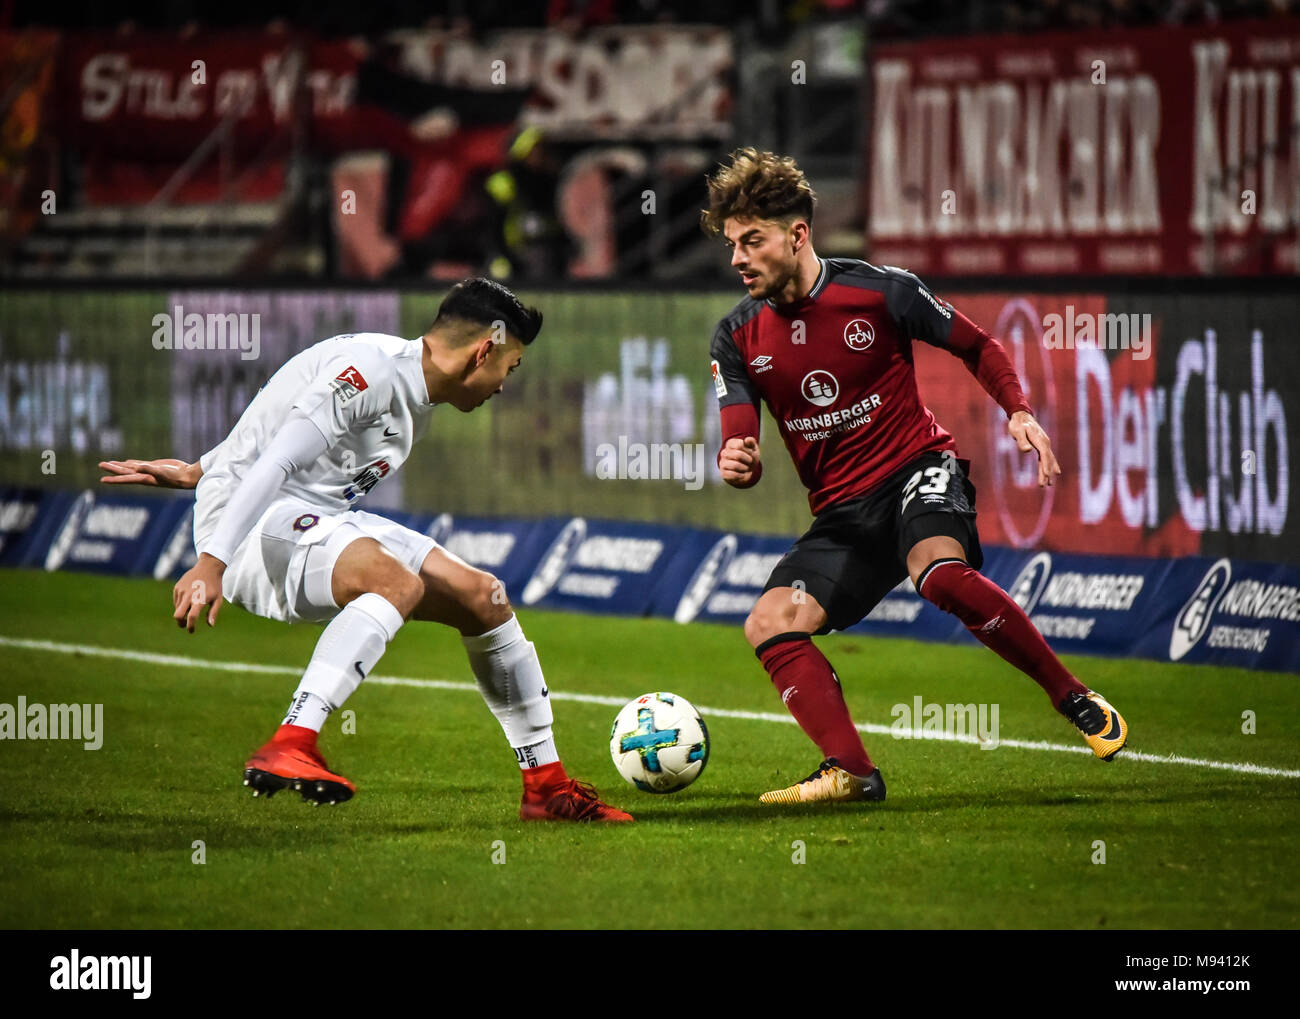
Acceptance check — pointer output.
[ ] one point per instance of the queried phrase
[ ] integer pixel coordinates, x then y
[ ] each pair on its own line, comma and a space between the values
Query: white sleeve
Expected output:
352, 389
298, 443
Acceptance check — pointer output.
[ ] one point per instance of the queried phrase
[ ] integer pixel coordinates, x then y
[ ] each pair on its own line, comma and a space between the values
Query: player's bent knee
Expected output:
770, 616
400, 586
488, 602
920, 573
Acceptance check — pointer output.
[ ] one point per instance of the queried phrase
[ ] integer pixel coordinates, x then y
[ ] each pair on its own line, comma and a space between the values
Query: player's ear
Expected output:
482, 351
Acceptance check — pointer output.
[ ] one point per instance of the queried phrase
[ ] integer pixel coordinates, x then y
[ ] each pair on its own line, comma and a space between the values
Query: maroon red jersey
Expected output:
836, 371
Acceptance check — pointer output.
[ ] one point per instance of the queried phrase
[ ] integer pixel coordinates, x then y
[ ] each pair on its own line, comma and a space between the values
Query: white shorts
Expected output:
283, 569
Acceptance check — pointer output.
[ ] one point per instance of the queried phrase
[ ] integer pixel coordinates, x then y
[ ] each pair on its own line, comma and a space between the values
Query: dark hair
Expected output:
757, 185
486, 302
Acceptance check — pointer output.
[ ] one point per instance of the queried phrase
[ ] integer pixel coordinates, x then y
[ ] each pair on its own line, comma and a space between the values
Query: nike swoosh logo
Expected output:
388, 433
545, 692
357, 666
1114, 727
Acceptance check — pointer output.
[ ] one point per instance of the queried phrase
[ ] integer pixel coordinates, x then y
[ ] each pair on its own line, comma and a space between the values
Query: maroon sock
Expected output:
811, 692
998, 623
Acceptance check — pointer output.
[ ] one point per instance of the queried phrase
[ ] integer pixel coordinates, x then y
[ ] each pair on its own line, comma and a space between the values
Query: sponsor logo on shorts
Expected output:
820, 388
859, 335
306, 522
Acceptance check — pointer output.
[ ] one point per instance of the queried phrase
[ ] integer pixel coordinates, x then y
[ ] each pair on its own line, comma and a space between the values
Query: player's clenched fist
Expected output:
197, 589
740, 461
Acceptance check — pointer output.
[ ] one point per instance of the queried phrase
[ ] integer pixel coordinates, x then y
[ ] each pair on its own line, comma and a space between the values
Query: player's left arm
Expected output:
925, 317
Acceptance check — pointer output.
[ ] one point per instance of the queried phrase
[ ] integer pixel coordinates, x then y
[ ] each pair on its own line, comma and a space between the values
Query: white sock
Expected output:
511, 682
538, 754
348, 650
307, 710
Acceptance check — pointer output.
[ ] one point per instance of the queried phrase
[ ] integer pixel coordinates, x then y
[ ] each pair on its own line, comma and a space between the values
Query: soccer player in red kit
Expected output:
827, 345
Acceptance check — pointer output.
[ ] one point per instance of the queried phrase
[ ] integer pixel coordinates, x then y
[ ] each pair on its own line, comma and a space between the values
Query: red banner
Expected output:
1173, 419
1164, 151
156, 96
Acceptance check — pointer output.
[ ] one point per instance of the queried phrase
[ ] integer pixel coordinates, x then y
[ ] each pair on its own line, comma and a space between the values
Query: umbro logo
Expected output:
762, 363
787, 693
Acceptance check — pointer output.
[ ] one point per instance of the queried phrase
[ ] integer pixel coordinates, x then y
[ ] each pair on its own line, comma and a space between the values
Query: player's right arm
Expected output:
297, 443
740, 459
349, 392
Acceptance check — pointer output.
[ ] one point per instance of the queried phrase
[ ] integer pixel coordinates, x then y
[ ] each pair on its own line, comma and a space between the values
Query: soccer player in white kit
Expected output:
277, 531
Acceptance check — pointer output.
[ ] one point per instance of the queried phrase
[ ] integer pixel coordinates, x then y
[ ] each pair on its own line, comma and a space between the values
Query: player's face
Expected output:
492, 362
762, 252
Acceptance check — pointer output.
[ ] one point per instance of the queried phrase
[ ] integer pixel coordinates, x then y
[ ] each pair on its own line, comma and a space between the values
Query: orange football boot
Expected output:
550, 795
290, 760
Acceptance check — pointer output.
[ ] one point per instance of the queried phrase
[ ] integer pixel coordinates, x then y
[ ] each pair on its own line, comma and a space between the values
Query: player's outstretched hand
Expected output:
1029, 434
156, 473
739, 461
198, 588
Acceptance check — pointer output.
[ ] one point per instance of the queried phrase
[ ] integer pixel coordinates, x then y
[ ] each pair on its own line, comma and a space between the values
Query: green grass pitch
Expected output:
969, 837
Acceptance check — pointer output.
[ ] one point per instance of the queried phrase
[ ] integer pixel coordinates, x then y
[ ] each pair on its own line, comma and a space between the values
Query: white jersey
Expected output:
367, 395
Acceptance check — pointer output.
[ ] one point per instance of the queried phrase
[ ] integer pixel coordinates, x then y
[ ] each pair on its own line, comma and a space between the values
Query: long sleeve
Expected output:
737, 401
922, 316
987, 360
298, 443
739, 421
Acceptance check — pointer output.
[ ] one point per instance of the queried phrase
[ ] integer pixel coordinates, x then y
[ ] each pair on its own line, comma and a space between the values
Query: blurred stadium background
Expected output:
330, 167
287, 171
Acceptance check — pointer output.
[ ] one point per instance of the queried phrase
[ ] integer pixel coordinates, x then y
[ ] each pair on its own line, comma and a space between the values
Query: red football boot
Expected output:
291, 761
550, 795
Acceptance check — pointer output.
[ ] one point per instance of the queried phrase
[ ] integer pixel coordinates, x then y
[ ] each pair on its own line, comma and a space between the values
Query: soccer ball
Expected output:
659, 743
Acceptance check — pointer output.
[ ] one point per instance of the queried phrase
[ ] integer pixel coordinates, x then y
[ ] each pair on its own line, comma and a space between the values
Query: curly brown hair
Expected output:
757, 185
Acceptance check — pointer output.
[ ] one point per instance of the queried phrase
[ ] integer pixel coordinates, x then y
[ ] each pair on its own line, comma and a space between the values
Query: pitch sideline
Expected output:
185, 662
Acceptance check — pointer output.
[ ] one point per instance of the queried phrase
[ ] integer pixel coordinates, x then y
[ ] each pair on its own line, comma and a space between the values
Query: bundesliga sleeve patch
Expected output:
719, 385
348, 383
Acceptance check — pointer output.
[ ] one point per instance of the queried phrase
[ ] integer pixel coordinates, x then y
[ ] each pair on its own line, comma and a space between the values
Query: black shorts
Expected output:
856, 551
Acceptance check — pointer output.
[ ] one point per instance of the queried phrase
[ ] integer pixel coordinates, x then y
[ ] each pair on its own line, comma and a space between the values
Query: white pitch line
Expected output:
185, 662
